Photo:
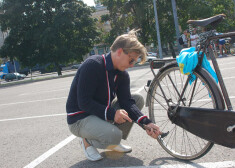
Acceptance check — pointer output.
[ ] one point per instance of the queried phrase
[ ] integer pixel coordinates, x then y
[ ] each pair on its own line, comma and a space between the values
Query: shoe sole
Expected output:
122, 151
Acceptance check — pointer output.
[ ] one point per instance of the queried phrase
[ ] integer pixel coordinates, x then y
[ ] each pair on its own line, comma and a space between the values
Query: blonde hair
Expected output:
130, 43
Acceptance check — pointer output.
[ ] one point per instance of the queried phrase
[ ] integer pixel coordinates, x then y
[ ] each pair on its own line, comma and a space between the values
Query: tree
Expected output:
204, 9
42, 32
128, 14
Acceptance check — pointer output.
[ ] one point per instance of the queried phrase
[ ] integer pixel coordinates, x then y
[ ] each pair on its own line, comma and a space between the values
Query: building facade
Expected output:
105, 27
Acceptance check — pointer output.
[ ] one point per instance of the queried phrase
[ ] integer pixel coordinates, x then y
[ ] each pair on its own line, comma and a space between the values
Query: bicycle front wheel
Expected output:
201, 93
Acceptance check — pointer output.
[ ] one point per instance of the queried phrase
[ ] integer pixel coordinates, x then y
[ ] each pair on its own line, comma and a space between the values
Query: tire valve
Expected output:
230, 128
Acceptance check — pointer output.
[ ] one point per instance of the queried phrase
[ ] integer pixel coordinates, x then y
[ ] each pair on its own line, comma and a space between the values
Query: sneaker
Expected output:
220, 56
122, 148
90, 152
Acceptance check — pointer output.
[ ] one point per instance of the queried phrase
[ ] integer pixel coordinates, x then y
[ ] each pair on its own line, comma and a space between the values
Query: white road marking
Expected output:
150, 74
140, 89
225, 78
43, 92
224, 164
50, 152
33, 101
57, 147
226, 68
52, 115
227, 63
23, 118
231, 77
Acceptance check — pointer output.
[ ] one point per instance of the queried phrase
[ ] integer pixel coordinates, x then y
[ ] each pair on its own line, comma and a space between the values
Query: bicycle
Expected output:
196, 112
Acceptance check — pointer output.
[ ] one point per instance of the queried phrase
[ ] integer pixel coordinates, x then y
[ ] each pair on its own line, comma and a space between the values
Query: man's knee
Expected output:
111, 136
139, 100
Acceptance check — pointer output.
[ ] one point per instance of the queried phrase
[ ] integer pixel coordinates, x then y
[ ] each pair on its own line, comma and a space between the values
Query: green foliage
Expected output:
204, 9
128, 14
41, 32
1, 61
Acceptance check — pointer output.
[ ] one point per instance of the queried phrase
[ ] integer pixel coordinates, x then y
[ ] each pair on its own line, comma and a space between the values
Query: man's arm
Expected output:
128, 104
125, 100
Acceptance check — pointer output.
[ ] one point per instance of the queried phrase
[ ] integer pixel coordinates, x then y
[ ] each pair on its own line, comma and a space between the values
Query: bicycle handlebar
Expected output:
229, 34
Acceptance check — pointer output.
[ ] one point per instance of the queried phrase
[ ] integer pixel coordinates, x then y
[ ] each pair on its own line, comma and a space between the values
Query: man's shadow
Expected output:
115, 159
111, 159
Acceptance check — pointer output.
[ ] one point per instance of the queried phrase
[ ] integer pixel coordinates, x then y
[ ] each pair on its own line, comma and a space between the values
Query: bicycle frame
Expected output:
214, 63
197, 119
216, 67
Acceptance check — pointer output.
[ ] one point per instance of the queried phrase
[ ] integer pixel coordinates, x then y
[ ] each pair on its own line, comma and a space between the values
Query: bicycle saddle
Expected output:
213, 21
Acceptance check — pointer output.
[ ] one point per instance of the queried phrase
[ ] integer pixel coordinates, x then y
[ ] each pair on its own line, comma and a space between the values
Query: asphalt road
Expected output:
34, 131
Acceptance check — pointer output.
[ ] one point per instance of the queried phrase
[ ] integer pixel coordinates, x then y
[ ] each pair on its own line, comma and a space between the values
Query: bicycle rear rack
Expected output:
159, 63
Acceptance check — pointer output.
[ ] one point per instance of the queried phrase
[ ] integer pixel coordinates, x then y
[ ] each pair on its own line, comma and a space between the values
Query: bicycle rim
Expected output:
179, 142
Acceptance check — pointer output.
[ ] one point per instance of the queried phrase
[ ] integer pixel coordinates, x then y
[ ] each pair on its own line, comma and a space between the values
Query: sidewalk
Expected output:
35, 79
49, 76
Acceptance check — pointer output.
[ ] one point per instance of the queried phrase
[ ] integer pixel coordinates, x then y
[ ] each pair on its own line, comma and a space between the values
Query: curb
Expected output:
34, 80
51, 78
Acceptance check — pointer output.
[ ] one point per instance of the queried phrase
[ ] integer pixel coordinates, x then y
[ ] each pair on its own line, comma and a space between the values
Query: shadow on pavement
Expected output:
168, 161
111, 159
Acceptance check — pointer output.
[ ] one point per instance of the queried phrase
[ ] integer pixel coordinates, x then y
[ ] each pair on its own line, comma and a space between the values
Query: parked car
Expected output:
75, 66
12, 76
150, 58
152, 54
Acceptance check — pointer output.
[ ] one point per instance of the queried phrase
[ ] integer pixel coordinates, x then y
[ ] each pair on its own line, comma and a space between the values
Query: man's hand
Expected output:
121, 116
154, 132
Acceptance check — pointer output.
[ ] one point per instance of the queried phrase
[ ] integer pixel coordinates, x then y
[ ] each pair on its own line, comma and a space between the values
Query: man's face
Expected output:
127, 60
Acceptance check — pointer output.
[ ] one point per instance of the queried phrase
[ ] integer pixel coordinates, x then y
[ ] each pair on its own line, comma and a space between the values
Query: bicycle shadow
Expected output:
111, 159
177, 163
116, 159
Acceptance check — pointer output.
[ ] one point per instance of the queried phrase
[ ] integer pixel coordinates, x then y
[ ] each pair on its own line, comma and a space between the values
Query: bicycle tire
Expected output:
159, 114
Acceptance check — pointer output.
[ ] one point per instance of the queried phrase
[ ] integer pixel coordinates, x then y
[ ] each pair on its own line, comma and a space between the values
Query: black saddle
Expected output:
213, 21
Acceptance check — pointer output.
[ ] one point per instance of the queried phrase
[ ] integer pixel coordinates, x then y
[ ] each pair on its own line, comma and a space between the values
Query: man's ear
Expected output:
119, 51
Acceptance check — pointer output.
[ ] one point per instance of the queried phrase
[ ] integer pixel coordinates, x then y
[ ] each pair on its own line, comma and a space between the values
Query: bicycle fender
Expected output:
214, 125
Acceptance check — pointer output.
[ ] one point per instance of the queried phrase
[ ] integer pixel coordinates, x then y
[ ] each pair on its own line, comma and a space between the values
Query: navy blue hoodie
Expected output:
94, 86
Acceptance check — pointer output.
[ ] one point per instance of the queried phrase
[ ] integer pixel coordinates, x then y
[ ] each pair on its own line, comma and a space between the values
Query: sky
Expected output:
89, 2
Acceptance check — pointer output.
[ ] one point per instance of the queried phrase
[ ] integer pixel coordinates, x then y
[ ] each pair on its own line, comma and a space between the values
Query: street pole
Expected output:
15, 68
234, 7
158, 31
176, 23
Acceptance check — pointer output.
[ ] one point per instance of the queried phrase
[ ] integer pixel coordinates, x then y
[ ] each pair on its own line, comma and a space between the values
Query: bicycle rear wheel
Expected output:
179, 142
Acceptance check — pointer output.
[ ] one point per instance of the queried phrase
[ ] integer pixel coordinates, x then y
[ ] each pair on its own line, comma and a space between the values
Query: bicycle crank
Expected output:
217, 126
